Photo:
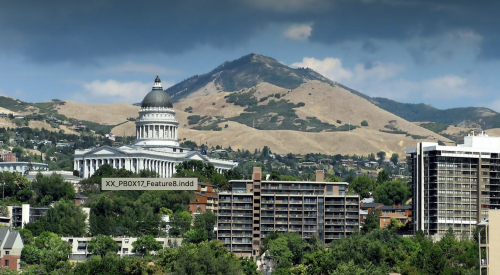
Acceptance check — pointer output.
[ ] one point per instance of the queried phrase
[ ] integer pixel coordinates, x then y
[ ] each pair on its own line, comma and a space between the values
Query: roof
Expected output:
157, 97
370, 205
390, 207
11, 239
207, 196
80, 196
206, 184
3, 234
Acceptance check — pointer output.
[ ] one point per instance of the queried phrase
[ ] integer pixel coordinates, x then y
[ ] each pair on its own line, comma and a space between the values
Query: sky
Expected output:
443, 53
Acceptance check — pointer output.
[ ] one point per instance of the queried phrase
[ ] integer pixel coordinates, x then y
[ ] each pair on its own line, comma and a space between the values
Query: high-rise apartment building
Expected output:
454, 186
255, 208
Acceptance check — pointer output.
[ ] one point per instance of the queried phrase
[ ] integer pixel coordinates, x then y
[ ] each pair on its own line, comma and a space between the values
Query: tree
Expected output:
392, 192
364, 123
395, 158
362, 186
102, 245
370, 223
144, 245
381, 156
64, 219
383, 176
52, 250
181, 223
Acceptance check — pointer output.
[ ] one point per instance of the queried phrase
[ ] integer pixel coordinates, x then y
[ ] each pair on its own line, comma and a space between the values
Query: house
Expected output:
80, 199
18, 117
401, 212
370, 207
207, 198
11, 245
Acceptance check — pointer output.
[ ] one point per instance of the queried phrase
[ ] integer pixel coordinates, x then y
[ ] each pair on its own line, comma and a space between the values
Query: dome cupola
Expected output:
157, 97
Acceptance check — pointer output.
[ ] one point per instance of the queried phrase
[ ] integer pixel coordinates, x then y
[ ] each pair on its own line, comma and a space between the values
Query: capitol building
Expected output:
157, 145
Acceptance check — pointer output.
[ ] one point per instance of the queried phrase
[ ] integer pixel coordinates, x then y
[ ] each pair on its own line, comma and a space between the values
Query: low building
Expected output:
22, 167
7, 156
489, 243
24, 214
207, 198
11, 245
79, 245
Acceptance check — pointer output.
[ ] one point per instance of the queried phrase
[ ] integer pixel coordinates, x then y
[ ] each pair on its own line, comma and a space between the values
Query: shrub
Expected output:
364, 123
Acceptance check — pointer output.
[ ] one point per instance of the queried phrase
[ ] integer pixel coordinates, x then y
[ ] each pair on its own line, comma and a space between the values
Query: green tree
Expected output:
395, 158
146, 244
280, 252
63, 218
392, 192
364, 123
102, 245
381, 156
383, 176
371, 222
180, 222
53, 250
362, 186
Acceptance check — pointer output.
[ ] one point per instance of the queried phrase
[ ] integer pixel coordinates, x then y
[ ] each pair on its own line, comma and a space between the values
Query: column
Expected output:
175, 132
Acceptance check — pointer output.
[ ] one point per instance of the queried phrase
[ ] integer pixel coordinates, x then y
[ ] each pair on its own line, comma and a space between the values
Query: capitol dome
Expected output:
157, 97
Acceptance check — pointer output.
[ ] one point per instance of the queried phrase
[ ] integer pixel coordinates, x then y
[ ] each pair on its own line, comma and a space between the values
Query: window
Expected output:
6, 262
125, 251
7, 252
126, 240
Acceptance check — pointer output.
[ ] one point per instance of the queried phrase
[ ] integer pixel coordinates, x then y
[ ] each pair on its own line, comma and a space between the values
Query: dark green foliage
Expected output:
383, 175
371, 222
189, 144
392, 192
64, 219
395, 158
188, 109
435, 127
203, 258
181, 223
364, 123
243, 98
362, 186
53, 187
194, 119
146, 244
102, 245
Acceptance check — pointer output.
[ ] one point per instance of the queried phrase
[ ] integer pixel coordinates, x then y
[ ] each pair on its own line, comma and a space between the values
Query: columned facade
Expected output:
157, 145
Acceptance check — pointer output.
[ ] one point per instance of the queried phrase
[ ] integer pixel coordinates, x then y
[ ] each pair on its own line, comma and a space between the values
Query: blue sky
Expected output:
444, 53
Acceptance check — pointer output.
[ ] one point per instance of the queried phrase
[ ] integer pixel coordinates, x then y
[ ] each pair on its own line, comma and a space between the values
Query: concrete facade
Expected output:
21, 167
156, 147
489, 244
254, 208
454, 186
79, 245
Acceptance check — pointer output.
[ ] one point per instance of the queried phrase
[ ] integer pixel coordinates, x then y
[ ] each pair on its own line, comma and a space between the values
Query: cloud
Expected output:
112, 91
449, 87
329, 67
333, 69
298, 31
370, 47
85, 31
131, 67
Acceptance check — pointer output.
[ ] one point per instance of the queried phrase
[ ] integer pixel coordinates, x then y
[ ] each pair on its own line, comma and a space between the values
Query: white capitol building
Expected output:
156, 148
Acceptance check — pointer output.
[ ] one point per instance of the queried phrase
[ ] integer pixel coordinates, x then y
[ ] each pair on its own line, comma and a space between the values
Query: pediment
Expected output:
195, 156
105, 150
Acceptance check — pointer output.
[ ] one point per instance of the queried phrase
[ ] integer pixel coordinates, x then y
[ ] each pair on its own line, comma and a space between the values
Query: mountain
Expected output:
256, 101
482, 118
244, 73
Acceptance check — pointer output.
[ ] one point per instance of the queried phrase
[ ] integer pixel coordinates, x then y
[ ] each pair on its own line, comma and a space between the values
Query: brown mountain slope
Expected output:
327, 103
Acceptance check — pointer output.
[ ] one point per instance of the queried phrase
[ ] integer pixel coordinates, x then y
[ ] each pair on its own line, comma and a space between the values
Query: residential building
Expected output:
79, 245
207, 198
255, 208
7, 156
454, 186
156, 148
489, 243
22, 167
11, 245
25, 213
